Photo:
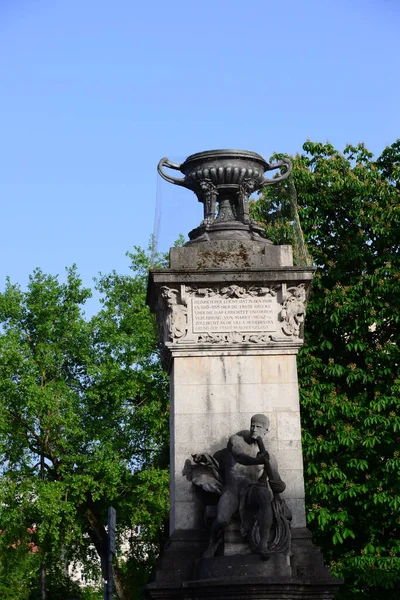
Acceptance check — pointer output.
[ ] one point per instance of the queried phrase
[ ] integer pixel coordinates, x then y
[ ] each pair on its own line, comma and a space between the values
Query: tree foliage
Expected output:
349, 367
83, 425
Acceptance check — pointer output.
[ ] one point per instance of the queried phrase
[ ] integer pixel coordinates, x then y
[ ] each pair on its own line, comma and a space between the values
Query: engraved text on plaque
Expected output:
234, 314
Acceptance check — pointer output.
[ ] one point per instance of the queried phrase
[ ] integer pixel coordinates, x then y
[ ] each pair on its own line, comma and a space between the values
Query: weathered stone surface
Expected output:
232, 254
280, 369
251, 589
188, 515
297, 506
203, 398
289, 425
268, 397
183, 574
248, 566
244, 368
294, 484
215, 396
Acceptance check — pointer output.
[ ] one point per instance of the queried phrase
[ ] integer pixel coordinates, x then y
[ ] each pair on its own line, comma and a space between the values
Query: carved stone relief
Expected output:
234, 337
172, 314
246, 478
231, 291
293, 310
231, 314
245, 189
208, 195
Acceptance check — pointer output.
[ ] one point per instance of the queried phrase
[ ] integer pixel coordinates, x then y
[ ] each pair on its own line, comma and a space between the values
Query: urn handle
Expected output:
285, 162
165, 162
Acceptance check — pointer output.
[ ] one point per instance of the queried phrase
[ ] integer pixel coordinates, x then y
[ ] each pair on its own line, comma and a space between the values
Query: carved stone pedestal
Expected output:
182, 573
231, 317
249, 588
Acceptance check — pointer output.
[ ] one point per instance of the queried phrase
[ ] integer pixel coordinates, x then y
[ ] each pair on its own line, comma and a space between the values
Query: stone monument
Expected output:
231, 310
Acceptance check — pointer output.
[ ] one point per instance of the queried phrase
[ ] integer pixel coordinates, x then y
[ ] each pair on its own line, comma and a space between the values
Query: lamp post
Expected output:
108, 586
42, 566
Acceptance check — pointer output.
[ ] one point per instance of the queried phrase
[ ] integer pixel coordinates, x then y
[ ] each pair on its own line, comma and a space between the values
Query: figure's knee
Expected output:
223, 518
222, 522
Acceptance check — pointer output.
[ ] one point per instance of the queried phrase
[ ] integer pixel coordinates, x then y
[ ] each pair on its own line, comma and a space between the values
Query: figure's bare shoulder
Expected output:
238, 444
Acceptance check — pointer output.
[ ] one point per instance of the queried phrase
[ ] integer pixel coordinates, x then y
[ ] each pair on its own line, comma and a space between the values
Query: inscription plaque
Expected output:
234, 314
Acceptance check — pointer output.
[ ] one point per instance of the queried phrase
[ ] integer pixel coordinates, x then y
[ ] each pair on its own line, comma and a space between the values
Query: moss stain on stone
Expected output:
218, 258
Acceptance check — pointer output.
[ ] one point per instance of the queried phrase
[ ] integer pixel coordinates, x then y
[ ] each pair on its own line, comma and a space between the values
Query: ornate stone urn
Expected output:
226, 177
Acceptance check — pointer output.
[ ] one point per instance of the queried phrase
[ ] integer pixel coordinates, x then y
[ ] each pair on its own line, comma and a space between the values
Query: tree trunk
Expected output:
119, 583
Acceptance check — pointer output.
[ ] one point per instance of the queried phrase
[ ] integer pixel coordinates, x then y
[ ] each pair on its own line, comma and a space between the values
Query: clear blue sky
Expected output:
94, 93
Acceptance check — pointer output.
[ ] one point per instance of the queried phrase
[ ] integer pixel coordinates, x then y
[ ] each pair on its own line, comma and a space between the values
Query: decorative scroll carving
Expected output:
234, 337
293, 310
231, 291
173, 318
260, 338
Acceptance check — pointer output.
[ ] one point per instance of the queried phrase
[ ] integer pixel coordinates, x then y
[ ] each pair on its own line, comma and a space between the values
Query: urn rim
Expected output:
224, 153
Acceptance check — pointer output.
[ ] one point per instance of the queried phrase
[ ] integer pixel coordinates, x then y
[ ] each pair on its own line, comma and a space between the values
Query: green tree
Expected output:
83, 425
349, 210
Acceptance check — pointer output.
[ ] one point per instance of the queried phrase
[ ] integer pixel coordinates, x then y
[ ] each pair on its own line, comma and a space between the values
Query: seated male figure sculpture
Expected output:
250, 482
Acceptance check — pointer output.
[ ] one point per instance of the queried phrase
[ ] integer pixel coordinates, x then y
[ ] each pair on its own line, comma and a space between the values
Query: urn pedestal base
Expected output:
227, 230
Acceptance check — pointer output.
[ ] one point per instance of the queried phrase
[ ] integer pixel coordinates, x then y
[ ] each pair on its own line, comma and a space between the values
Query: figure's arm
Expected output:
271, 471
240, 450
277, 485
